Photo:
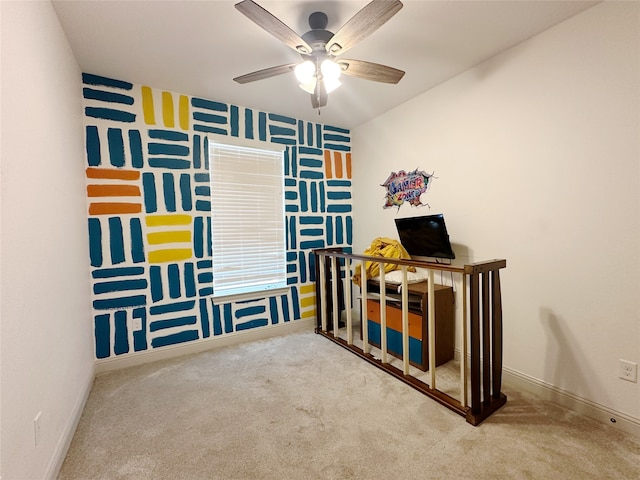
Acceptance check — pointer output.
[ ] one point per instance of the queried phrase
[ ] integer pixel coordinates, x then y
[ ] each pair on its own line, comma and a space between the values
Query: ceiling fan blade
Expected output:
319, 97
362, 24
370, 71
265, 73
273, 25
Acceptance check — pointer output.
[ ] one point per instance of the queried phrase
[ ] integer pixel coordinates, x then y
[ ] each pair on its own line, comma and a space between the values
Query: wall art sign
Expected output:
406, 187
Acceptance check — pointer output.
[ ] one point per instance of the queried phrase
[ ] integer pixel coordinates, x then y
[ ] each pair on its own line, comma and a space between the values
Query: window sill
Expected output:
238, 297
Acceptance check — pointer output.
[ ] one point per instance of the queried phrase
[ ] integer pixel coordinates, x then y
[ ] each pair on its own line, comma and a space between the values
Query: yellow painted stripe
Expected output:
183, 112
308, 313
170, 255
147, 106
309, 288
167, 110
307, 301
163, 220
158, 238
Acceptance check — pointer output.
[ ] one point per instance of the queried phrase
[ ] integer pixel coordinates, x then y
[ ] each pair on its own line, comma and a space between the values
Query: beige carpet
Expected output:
300, 407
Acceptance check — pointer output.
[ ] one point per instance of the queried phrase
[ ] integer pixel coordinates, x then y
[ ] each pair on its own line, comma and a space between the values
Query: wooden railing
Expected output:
479, 327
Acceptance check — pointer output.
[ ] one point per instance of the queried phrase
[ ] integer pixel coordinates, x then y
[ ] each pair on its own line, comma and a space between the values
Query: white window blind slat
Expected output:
248, 220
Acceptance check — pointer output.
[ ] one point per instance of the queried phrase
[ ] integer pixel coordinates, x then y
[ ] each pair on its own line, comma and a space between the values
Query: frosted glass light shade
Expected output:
330, 75
306, 75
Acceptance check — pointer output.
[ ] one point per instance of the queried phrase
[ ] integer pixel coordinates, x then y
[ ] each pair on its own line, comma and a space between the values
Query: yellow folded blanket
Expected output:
382, 247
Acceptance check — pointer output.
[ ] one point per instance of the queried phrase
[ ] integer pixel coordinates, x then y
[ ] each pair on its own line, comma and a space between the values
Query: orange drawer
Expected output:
394, 318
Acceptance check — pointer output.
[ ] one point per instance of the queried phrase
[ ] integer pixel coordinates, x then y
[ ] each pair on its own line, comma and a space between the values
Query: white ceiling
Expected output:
198, 47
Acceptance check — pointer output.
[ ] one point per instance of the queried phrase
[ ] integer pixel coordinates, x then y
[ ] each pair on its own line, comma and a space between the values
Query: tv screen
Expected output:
425, 236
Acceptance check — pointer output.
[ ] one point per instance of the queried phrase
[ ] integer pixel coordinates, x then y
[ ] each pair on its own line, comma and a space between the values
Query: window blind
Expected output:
248, 226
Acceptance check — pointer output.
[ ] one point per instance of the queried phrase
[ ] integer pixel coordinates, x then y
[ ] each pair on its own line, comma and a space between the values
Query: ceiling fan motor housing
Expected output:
318, 37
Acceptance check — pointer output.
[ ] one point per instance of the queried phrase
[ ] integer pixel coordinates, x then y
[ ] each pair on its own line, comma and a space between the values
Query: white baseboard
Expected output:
578, 404
146, 356
64, 442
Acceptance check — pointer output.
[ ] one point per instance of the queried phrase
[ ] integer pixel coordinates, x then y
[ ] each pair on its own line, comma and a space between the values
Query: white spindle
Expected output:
431, 327
366, 348
323, 293
335, 314
347, 300
405, 321
383, 314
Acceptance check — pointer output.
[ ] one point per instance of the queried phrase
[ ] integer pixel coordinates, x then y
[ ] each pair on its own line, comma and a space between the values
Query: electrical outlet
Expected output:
36, 428
628, 371
136, 324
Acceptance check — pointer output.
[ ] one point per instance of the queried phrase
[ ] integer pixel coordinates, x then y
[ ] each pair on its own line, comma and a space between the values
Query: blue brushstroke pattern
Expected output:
169, 135
110, 114
116, 240
135, 145
93, 146
102, 332
95, 242
172, 307
116, 147
121, 337
149, 192
117, 272
204, 318
90, 79
171, 163
209, 104
186, 336
110, 97
169, 190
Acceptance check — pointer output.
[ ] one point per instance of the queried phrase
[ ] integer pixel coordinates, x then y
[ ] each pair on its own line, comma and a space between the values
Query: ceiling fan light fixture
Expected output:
309, 87
305, 72
330, 75
306, 75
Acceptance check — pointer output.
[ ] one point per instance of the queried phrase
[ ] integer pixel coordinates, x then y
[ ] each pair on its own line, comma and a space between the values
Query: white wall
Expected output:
537, 157
47, 347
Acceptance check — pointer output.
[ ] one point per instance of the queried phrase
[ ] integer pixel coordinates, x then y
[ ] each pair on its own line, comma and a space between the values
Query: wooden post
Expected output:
474, 292
497, 333
463, 347
486, 339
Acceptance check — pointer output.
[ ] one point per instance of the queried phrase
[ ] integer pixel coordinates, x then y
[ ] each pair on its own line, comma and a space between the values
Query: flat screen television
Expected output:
425, 236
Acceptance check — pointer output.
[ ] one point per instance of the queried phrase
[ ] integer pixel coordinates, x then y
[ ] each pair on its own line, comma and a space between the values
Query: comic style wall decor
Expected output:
149, 222
406, 187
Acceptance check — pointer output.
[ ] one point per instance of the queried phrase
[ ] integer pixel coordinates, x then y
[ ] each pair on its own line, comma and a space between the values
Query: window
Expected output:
248, 220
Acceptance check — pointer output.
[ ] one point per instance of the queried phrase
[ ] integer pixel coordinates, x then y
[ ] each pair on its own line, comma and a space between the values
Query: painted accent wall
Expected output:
148, 213
536, 153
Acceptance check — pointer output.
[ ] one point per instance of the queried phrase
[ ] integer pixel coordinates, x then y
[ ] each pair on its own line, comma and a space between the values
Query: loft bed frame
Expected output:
480, 325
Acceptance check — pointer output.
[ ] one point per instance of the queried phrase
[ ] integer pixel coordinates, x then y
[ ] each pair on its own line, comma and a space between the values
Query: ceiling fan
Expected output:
320, 68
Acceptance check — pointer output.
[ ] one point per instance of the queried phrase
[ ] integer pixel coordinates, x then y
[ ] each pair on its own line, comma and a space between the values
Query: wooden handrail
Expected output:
484, 335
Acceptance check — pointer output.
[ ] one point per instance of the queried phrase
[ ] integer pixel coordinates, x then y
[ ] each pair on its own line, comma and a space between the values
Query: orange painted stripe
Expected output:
114, 208
338, 157
348, 162
112, 173
327, 164
113, 191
